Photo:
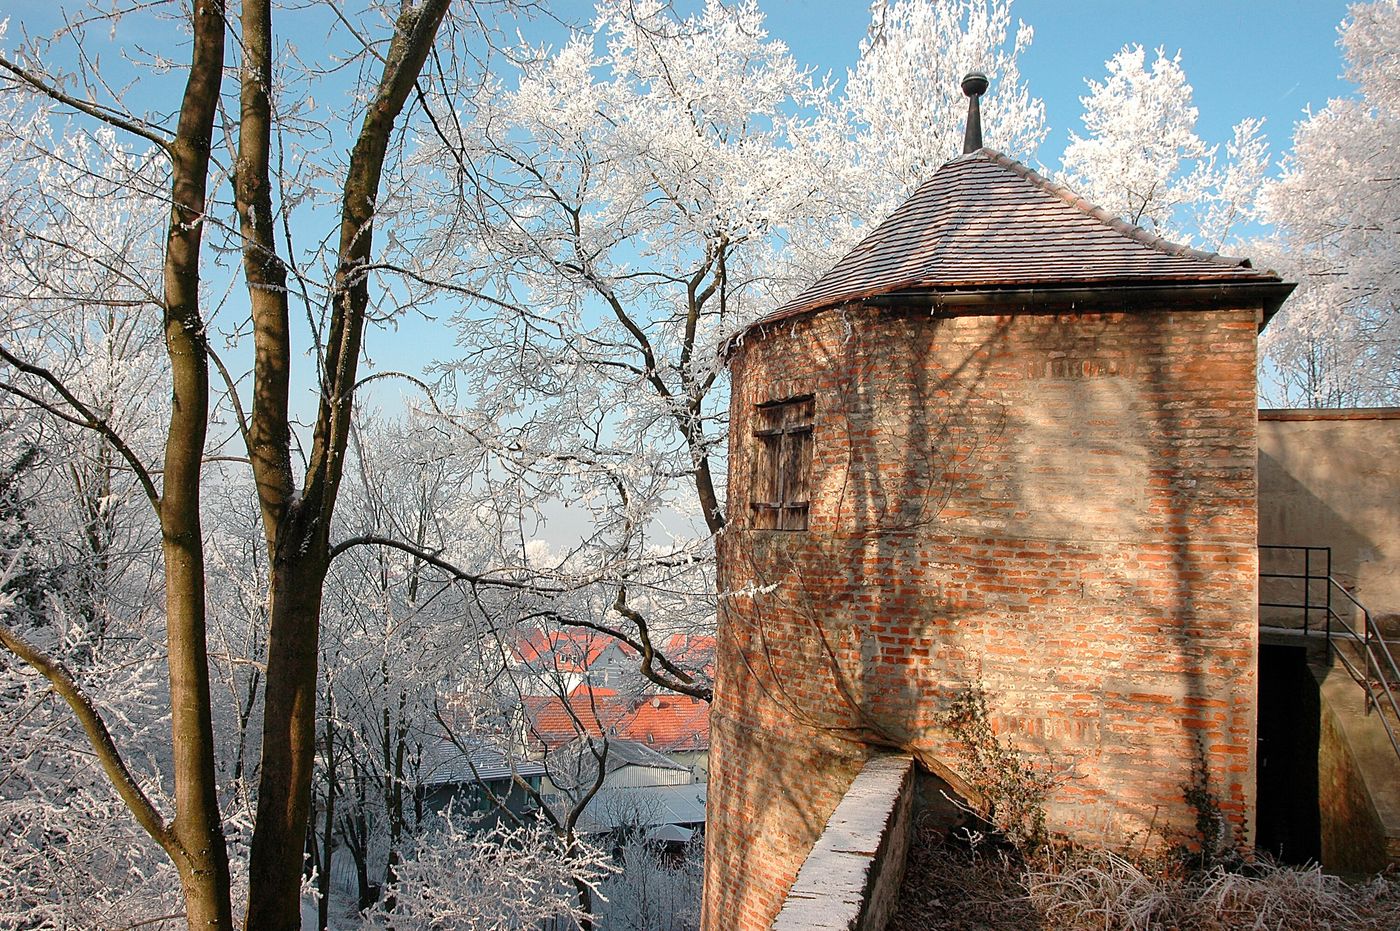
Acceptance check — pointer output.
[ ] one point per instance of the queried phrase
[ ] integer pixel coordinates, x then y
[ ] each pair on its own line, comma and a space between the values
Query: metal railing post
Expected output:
1370, 661
1376, 669
1307, 591
1328, 586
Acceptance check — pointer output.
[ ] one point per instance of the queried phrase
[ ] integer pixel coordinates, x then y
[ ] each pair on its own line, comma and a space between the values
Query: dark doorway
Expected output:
1288, 827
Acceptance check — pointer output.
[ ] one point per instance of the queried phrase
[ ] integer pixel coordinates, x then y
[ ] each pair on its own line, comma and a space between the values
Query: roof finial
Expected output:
974, 85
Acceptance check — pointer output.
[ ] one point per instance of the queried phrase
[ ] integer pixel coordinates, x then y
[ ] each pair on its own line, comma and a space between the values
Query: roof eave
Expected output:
1056, 298
1268, 294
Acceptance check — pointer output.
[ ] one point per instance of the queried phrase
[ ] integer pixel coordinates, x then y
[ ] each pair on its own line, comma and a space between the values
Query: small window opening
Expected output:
783, 464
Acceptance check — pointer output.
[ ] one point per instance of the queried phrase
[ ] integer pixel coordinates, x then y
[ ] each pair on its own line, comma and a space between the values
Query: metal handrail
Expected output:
1377, 658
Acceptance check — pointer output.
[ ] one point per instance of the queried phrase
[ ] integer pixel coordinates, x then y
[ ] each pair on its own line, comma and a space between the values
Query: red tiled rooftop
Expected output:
554, 723
569, 650
692, 651
669, 723
665, 723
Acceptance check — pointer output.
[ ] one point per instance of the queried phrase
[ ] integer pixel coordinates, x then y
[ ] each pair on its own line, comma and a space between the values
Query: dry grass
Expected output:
1100, 891
1011, 879
957, 887
953, 886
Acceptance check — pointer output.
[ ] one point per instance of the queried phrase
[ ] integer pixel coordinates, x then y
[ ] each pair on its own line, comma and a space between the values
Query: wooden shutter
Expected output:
781, 486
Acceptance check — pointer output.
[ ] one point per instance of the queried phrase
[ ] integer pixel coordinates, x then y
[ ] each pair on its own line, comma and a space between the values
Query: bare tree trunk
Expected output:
705, 489
198, 827
299, 530
328, 831
585, 905
269, 430
396, 743
194, 838
296, 528
325, 882
355, 830
289, 745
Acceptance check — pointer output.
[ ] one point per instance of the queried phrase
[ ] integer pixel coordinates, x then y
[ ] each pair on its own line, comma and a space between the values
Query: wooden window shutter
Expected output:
781, 488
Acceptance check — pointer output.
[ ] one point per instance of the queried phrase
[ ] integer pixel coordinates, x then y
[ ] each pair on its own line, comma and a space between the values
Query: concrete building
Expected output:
1332, 478
1008, 443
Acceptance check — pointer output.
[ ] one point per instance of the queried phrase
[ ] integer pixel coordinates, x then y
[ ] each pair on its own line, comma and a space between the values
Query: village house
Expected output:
479, 780
583, 705
548, 661
676, 726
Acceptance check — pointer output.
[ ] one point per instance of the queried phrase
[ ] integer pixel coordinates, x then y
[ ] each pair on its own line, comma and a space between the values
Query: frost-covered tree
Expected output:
76, 279
902, 111
1337, 210
609, 212
69, 847
469, 879
1222, 219
654, 890
397, 633
614, 208
1142, 160
1141, 128
296, 504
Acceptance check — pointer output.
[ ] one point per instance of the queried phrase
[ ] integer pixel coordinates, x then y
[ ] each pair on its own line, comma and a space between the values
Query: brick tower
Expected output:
1007, 442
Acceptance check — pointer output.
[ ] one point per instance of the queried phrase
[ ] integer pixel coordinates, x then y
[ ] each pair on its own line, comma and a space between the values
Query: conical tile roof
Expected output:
985, 221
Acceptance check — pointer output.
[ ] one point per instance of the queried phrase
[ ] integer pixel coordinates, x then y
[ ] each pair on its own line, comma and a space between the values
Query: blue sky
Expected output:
1269, 59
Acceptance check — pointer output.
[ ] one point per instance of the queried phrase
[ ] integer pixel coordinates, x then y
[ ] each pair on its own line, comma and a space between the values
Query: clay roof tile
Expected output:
665, 722
985, 220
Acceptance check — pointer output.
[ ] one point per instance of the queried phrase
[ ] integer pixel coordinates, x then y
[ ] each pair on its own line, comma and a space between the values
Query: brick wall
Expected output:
1060, 509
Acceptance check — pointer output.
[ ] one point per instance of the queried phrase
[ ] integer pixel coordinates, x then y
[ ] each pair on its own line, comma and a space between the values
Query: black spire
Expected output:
974, 85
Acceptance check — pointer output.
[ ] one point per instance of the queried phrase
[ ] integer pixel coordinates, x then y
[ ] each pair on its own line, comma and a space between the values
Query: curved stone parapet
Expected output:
850, 880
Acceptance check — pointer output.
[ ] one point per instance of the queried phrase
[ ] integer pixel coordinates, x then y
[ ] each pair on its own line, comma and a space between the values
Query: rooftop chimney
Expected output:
974, 85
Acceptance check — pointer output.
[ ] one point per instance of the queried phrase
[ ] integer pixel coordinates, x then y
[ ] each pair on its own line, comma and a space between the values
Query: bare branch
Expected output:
150, 299
98, 736
496, 800
234, 401
447, 286
105, 114
150, 921
432, 559
683, 681
86, 418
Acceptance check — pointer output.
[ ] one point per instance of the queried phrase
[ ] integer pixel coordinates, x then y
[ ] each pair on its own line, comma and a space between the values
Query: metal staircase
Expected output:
1298, 583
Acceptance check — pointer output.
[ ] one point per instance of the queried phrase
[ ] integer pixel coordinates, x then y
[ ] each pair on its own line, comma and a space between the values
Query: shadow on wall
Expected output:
844, 645
1134, 463
1291, 515
1059, 509
917, 416
1209, 519
1329, 478
830, 659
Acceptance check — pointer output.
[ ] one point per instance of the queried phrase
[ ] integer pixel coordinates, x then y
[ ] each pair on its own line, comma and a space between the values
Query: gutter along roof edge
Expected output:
1048, 298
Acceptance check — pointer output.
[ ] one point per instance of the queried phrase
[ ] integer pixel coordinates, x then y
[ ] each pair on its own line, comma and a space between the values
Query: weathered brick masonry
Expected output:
1059, 508
1010, 442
